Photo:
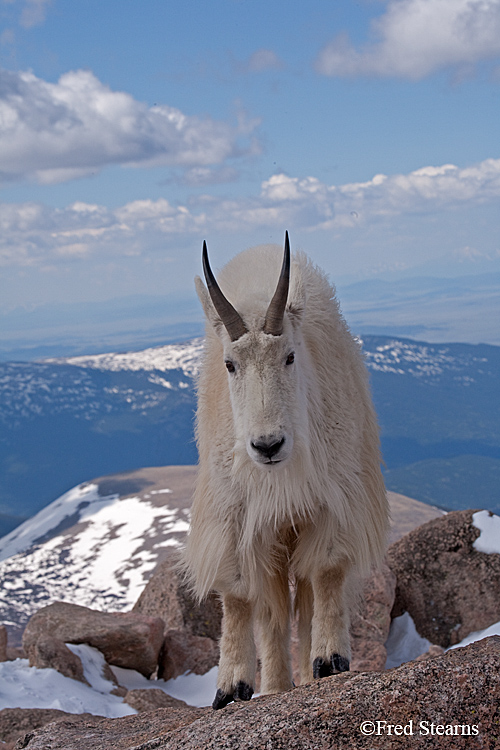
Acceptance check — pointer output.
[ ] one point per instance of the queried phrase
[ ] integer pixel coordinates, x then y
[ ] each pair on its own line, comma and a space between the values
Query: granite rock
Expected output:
50, 652
192, 630
128, 640
448, 587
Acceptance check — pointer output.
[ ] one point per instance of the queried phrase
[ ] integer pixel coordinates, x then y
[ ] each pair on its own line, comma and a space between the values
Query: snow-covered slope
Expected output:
29, 687
93, 546
425, 361
65, 385
185, 357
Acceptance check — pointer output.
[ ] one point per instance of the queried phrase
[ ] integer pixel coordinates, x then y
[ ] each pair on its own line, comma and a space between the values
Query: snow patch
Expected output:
479, 635
404, 643
489, 526
194, 689
93, 663
185, 357
22, 686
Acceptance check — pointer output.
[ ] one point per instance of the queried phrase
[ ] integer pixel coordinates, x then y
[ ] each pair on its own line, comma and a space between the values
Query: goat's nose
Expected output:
268, 448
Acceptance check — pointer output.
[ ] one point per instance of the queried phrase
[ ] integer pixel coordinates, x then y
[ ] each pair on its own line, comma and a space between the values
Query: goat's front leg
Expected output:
236, 677
330, 648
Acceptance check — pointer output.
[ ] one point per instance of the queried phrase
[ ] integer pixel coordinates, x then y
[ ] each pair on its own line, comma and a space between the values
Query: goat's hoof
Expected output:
327, 667
221, 699
242, 692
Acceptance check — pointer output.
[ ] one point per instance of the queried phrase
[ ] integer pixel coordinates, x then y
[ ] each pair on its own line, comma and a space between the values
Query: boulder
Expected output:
166, 596
128, 640
432, 652
448, 587
192, 630
451, 701
3, 643
182, 652
50, 652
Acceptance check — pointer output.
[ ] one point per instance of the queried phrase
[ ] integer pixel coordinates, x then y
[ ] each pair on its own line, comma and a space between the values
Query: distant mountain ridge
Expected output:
66, 419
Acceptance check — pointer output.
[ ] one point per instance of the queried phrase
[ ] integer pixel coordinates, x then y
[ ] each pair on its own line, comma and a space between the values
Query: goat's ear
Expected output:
296, 304
208, 305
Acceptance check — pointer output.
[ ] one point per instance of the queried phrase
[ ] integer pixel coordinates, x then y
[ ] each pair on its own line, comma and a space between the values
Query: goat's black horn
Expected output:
230, 317
275, 312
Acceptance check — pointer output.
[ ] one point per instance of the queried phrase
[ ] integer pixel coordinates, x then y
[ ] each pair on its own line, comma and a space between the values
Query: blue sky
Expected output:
131, 131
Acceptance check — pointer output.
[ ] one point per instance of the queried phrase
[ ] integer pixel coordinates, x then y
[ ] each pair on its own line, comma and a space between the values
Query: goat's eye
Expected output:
230, 365
290, 359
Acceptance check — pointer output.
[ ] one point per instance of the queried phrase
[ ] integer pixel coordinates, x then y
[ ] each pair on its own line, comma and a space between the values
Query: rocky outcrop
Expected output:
448, 587
129, 640
452, 700
192, 630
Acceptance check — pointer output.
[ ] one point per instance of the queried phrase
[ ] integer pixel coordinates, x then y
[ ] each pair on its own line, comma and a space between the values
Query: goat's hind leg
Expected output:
331, 648
274, 620
236, 677
304, 610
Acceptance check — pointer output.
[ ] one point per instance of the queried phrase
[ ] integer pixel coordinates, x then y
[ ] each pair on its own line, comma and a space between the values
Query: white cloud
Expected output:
53, 132
426, 189
415, 38
33, 234
310, 204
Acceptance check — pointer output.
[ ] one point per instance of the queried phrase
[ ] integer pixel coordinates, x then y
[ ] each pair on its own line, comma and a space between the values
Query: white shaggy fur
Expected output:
319, 516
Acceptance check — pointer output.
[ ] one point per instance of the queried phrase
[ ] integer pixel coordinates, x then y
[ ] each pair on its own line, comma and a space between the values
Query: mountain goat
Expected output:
289, 487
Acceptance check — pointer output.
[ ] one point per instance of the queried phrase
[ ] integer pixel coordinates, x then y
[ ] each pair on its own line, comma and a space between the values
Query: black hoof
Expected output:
242, 692
221, 699
325, 668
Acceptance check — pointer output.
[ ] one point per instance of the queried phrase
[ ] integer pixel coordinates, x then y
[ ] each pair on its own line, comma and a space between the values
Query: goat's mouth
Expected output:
268, 449
269, 452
